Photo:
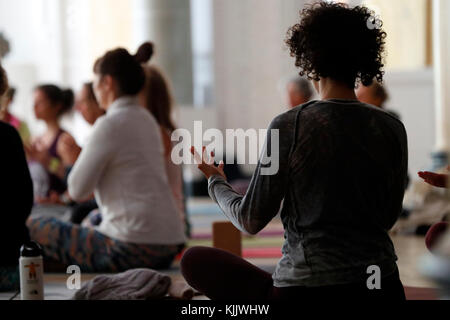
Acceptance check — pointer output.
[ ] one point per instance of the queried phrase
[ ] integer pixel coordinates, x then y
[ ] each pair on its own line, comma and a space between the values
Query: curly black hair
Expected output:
336, 41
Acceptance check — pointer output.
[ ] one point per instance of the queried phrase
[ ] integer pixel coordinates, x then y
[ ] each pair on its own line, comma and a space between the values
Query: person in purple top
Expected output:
50, 104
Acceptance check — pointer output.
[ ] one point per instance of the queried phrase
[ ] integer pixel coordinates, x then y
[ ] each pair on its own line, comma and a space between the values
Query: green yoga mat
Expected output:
246, 242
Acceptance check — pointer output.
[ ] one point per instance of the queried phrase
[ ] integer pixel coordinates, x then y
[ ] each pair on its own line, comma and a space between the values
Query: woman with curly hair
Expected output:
342, 176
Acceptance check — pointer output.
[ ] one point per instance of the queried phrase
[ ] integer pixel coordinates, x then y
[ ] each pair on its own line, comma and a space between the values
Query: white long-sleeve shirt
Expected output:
123, 165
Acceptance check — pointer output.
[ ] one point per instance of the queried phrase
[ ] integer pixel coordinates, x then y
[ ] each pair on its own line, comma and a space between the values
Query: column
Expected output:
441, 57
167, 23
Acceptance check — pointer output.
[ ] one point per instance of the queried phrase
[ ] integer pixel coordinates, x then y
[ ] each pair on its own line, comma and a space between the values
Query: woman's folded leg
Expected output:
92, 251
223, 276
71, 244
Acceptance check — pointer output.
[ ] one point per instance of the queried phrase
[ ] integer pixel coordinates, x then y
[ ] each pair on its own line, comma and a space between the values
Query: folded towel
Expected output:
136, 284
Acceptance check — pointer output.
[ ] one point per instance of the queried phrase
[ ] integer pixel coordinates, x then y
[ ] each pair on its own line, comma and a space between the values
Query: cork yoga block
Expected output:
227, 237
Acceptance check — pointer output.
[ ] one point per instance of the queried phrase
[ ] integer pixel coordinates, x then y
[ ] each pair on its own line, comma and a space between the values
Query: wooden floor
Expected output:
410, 251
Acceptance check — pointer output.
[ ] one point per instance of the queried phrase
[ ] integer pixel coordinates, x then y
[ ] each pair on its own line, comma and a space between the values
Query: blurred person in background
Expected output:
69, 151
50, 104
300, 91
376, 95
6, 116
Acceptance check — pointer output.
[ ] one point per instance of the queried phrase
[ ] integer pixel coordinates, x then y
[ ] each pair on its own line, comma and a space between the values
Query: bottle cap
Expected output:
31, 249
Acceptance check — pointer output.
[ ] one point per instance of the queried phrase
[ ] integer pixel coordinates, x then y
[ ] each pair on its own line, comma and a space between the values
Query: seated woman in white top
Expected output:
124, 169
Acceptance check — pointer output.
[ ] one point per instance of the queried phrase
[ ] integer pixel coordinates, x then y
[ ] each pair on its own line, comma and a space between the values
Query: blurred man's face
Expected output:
365, 95
295, 98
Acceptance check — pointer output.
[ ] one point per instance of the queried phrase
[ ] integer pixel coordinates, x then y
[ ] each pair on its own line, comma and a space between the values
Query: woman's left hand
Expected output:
206, 164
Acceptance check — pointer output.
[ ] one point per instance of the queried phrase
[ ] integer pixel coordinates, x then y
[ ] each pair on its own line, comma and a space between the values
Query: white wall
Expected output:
34, 31
185, 116
251, 59
251, 65
412, 95
53, 42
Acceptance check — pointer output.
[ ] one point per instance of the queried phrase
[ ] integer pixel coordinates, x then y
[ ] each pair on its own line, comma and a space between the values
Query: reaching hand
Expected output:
434, 179
206, 164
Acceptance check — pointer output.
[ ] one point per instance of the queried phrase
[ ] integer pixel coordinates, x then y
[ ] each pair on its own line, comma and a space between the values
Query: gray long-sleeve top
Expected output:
342, 175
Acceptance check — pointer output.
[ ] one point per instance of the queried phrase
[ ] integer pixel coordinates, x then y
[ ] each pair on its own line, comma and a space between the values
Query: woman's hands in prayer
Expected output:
37, 153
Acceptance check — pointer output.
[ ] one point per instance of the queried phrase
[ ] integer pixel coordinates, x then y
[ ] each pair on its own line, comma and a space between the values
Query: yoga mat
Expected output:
255, 253
253, 247
423, 294
267, 234
246, 243
212, 209
261, 253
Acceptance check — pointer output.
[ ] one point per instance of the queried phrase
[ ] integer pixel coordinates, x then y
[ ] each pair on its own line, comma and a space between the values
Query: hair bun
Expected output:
144, 53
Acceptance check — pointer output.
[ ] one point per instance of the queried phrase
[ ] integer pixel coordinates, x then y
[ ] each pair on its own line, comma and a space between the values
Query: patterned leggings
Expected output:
71, 244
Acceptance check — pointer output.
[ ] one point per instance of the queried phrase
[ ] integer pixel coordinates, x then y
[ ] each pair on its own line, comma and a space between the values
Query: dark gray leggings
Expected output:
222, 276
